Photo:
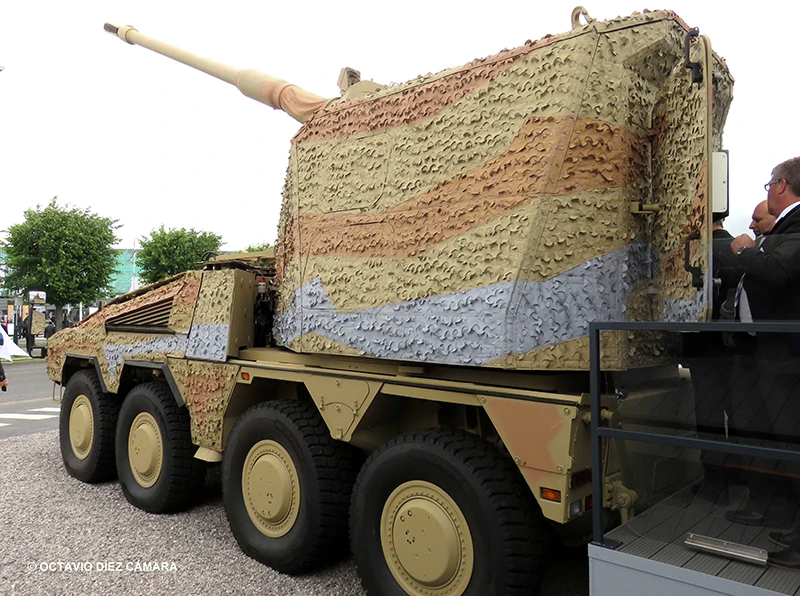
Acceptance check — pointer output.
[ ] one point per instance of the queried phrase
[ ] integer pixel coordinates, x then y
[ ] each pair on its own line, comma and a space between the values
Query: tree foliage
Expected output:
65, 252
258, 247
167, 252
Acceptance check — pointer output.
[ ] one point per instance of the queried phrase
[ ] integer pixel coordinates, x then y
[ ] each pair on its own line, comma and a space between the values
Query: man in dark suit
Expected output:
772, 272
771, 292
724, 268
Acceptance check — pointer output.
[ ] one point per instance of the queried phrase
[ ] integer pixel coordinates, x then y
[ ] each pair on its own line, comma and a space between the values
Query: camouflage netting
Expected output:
482, 215
174, 318
206, 389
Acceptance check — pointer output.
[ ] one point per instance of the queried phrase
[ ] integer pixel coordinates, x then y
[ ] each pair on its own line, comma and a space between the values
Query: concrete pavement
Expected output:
27, 406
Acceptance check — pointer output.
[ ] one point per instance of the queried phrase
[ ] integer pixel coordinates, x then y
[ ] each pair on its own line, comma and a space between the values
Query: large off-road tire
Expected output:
286, 486
86, 429
442, 512
155, 454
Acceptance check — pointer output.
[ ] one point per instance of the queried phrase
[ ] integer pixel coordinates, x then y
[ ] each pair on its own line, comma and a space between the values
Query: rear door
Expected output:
681, 229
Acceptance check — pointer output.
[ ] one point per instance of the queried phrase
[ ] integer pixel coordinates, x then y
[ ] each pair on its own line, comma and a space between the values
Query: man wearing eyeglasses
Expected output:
771, 292
772, 271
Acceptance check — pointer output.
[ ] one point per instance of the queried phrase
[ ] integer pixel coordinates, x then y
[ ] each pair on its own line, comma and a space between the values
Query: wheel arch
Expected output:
136, 372
75, 363
393, 414
258, 390
365, 412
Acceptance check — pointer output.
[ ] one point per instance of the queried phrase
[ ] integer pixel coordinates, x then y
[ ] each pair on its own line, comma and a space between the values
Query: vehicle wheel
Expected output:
286, 486
86, 429
443, 513
155, 454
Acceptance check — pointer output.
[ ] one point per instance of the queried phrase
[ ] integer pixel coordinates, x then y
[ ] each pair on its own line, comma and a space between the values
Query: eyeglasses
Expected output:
770, 183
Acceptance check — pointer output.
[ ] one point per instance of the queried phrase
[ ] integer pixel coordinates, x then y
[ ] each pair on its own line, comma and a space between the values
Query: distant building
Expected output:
125, 278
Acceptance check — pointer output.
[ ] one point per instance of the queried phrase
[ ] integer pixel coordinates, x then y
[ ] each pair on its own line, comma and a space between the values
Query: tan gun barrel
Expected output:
276, 93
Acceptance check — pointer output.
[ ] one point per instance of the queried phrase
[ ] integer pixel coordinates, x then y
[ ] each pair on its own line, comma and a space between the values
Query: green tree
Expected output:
167, 252
64, 252
258, 247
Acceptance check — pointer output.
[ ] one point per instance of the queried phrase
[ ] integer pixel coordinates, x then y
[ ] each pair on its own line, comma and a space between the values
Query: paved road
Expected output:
27, 406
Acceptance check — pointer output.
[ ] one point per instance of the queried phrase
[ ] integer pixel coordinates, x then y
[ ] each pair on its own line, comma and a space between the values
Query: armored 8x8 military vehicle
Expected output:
409, 368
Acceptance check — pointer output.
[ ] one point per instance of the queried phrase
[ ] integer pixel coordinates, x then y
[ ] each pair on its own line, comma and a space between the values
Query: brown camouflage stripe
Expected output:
573, 228
428, 96
75, 340
180, 319
184, 290
371, 173
414, 104
675, 280
206, 389
569, 355
598, 155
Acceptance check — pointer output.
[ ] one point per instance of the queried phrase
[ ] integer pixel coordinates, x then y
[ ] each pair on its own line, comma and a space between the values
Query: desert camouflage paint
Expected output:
483, 215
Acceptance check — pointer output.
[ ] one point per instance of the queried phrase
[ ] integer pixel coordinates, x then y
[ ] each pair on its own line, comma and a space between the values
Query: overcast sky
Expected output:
139, 138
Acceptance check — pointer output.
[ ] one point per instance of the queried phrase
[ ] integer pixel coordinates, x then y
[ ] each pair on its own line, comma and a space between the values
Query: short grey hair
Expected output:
789, 170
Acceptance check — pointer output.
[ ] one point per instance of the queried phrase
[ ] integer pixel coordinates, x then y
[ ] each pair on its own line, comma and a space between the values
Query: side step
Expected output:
732, 550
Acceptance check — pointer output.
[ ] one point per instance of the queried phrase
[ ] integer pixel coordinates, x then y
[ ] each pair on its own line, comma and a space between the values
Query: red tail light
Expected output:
580, 478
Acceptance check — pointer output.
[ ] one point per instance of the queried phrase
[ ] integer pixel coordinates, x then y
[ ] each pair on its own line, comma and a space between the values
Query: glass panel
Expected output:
734, 390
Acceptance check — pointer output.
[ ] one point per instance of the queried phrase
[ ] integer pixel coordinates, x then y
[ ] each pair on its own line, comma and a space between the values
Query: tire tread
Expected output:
104, 466
188, 473
525, 537
335, 465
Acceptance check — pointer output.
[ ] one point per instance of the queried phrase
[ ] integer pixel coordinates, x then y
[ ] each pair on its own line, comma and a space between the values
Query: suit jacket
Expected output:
725, 268
772, 274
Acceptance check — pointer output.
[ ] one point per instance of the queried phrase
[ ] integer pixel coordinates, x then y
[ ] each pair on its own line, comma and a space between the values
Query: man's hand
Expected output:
742, 241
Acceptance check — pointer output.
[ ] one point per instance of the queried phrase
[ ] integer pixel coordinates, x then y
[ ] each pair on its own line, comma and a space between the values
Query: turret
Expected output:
274, 92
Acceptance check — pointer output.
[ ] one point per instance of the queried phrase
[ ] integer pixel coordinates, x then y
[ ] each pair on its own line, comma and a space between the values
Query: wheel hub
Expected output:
81, 426
145, 450
270, 488
426, 540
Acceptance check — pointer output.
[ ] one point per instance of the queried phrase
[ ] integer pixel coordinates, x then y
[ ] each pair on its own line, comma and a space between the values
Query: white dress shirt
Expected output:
786, 212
